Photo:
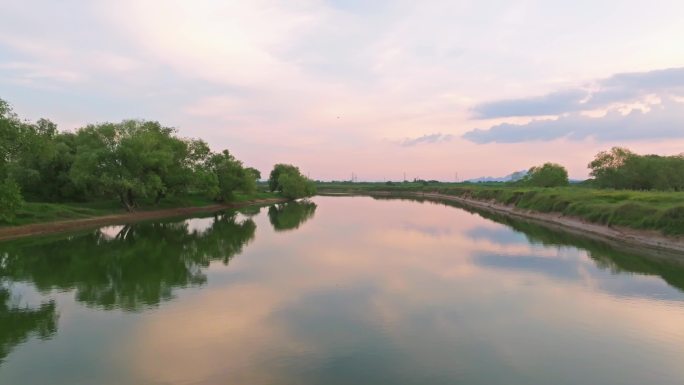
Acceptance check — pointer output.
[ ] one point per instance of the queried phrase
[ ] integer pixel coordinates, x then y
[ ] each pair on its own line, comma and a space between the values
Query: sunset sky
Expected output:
378, 88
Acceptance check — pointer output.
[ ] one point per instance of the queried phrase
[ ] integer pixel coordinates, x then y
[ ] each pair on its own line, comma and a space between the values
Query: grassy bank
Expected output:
39, 212
644, 210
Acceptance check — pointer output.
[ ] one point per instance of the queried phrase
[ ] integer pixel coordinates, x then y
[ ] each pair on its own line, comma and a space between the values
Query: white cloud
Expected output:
292, 75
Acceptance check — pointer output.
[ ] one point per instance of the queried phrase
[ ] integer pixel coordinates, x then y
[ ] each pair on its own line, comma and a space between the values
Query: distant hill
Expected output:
508, 178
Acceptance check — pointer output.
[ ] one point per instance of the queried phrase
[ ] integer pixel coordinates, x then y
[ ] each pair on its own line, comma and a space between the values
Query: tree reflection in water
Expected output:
291, 215
614, 257
136, 268
18, 323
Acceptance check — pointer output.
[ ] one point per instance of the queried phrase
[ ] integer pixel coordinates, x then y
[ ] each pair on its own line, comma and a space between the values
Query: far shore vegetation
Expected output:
106, 168
644, 192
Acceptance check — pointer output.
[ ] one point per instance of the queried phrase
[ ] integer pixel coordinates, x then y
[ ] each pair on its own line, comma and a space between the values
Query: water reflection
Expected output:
611, 257
134, 268
291, 215
614, 258
19, 322
366, 292
128, 267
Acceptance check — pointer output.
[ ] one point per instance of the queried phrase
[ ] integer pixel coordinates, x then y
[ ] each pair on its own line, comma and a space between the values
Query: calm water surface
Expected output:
337, 290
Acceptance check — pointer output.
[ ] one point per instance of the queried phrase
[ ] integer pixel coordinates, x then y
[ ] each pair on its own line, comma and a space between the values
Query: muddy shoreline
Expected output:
640, 238
8, 233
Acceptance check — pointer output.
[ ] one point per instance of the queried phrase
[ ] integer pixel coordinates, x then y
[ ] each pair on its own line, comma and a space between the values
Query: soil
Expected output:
640, 238
79, 224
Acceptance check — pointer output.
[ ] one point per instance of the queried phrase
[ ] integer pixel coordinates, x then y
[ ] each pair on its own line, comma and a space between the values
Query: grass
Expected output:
39, 212
644, 210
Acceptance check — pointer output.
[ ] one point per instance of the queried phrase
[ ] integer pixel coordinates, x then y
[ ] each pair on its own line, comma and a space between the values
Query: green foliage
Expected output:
130, 160
256, 174
133, 161
620, 168
231, 176
661, 211
289, 181
279, 169
295, 185
651, 210
547, 175
10, 200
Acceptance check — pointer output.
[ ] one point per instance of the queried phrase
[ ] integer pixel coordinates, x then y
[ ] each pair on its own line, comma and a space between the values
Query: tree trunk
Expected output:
159, 197
131, 201
124, 202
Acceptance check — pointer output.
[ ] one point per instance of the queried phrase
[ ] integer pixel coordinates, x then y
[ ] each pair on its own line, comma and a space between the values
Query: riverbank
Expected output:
12, 232
642, 238
661, 211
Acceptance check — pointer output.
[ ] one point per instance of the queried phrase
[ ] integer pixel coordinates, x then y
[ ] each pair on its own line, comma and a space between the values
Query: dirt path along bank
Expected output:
78, 224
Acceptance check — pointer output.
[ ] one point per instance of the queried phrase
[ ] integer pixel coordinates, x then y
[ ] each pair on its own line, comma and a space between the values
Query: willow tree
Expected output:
130, 160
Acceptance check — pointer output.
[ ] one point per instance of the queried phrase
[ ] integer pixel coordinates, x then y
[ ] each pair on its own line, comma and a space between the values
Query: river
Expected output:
337, 290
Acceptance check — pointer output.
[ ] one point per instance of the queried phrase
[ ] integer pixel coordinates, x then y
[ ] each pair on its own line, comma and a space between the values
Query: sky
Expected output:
434, 89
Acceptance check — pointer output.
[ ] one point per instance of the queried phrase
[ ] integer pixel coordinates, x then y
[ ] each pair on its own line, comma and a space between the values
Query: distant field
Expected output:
661, 211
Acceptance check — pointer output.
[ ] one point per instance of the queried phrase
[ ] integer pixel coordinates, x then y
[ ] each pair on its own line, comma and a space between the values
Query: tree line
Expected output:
131, 161
618, 168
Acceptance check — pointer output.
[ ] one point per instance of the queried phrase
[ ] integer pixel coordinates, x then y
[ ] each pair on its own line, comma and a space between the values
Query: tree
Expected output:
10, 200
256, 174
547, 175
607, 167
9, 136
203, 177
231, 176
130, 160
294, 185
274, 177
41, 166
10, 193
620, 168
288, 180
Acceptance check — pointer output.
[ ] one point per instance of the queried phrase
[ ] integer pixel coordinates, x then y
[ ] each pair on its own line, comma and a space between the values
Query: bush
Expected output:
294, 185
548, 175
672, 221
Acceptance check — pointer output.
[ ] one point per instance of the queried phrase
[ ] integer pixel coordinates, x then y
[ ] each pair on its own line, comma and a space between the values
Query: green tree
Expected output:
231, 176
10, 134
131, 160
274, 177
620, 168
42, 165
547, 175
255, 173
289, 181
295, 185
607, 167
10, 200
